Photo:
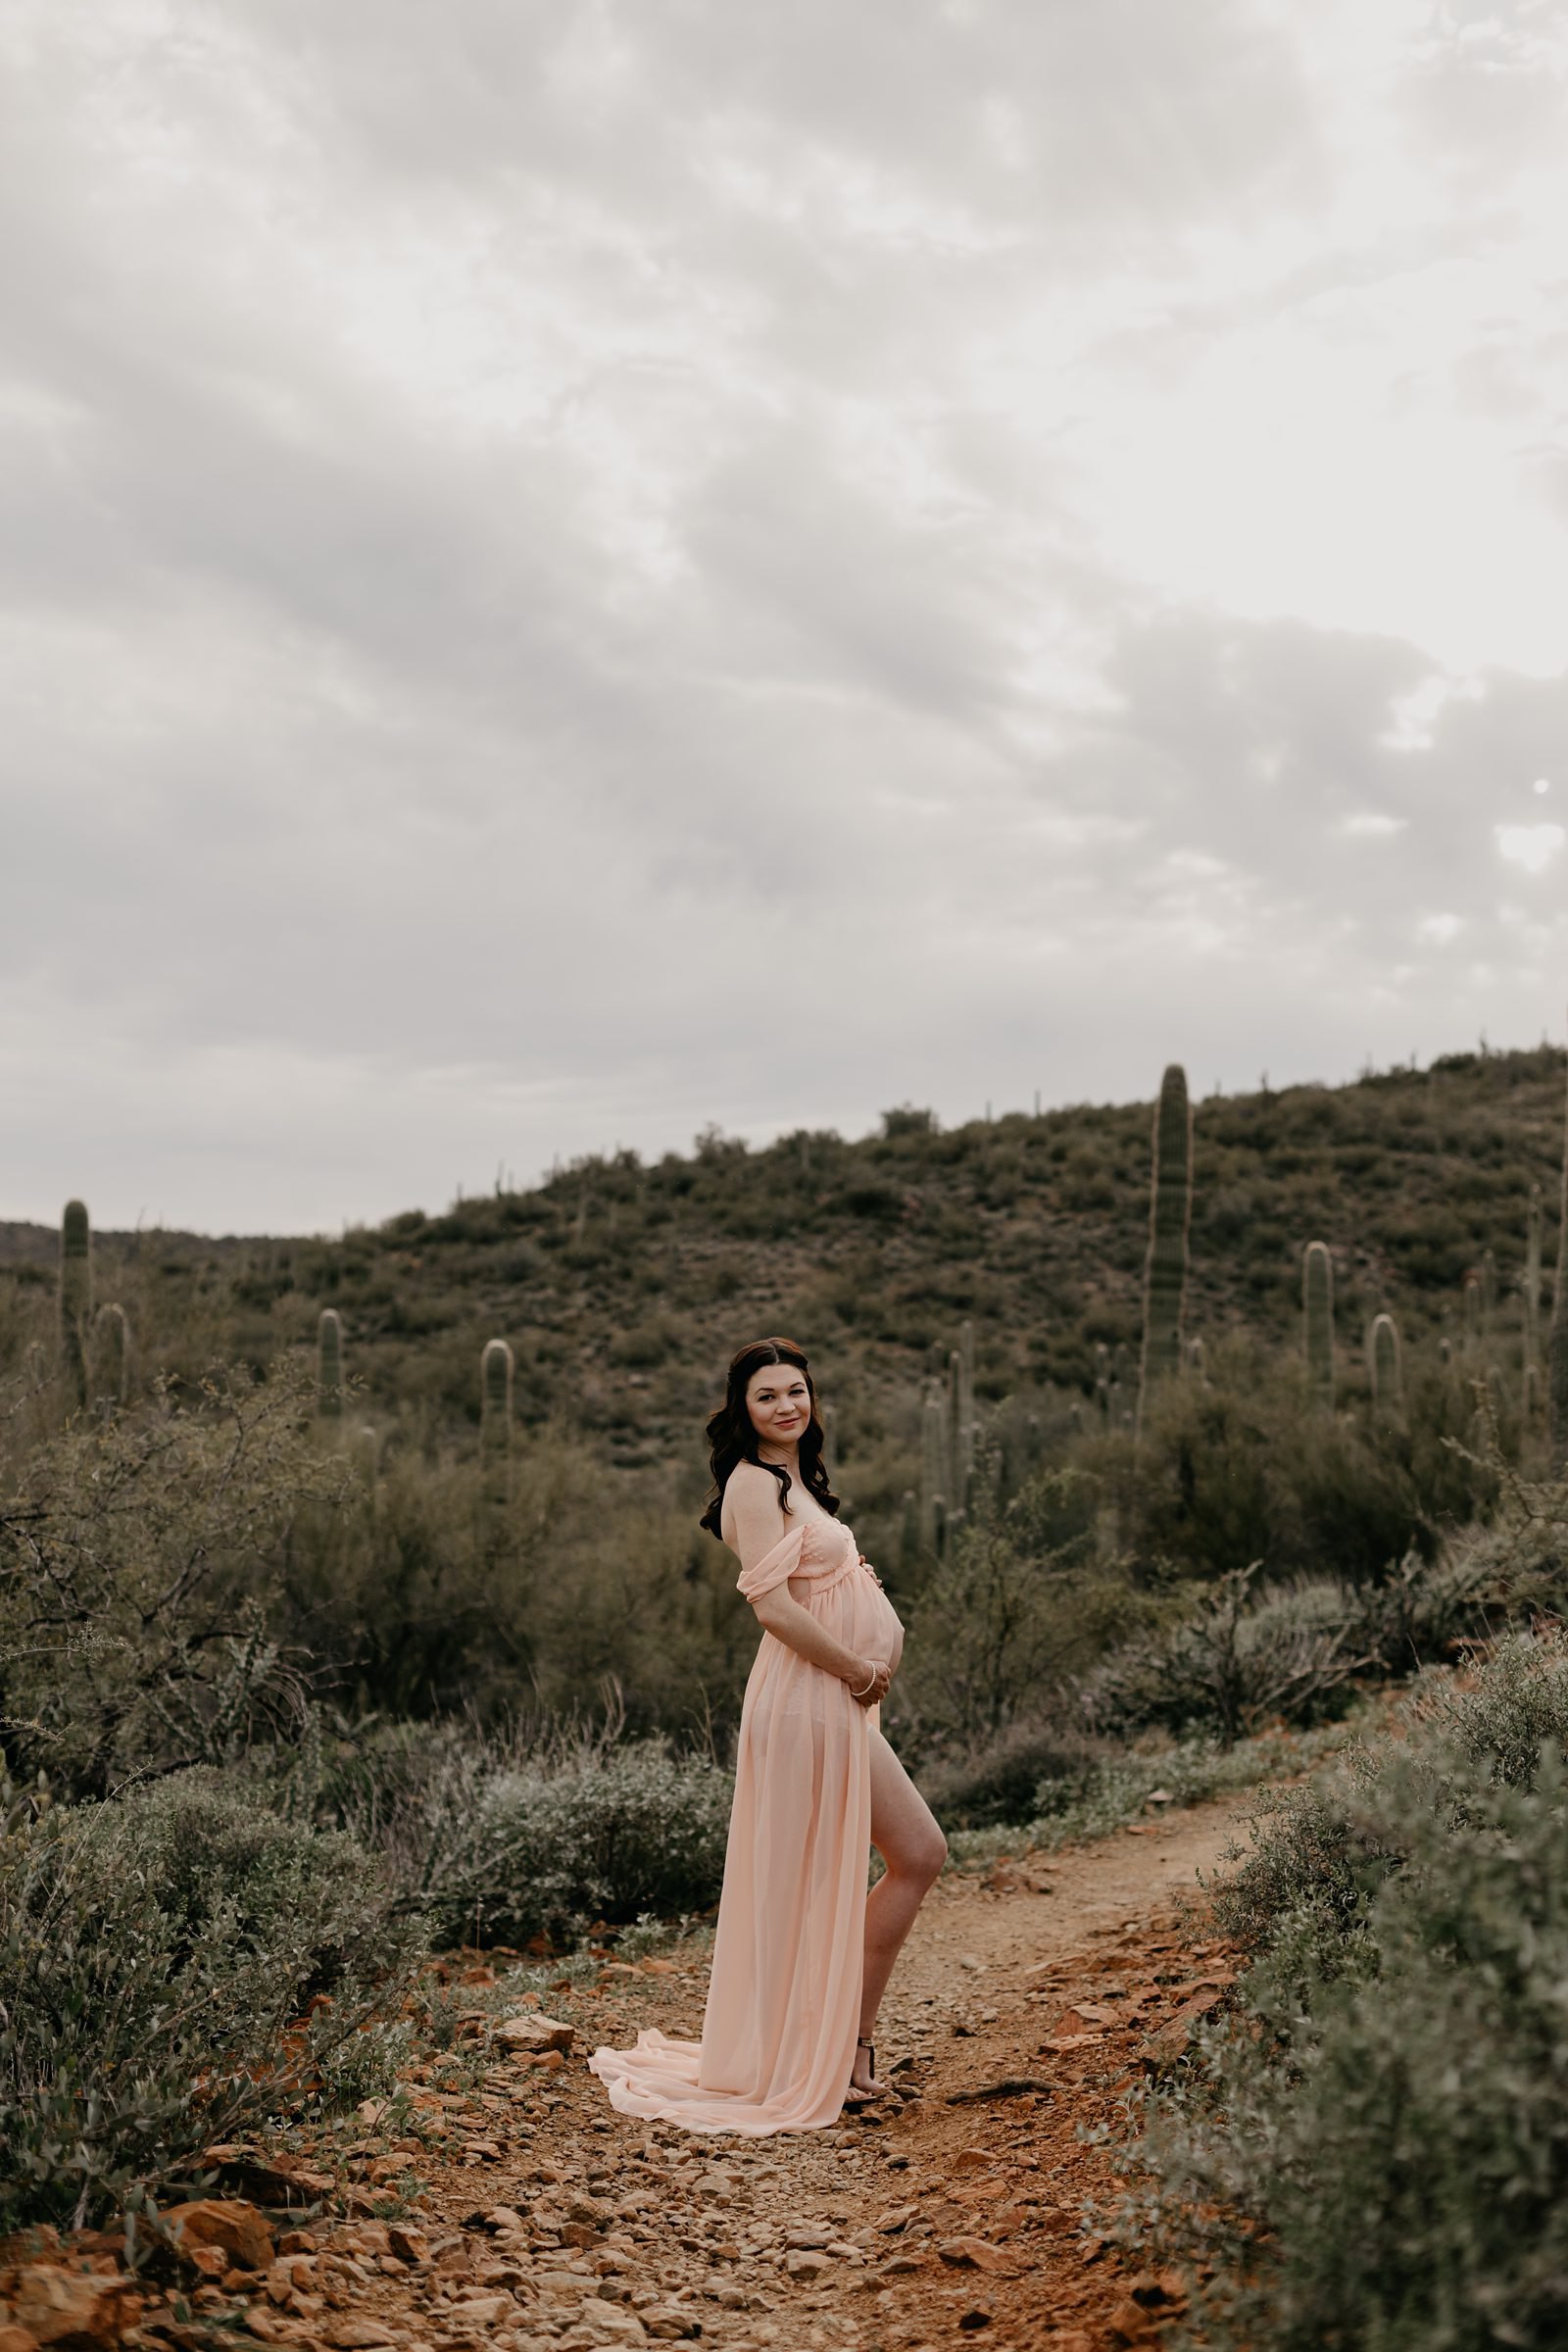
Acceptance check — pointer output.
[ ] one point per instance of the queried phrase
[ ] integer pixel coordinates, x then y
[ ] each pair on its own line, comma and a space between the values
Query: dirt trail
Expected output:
550, 2220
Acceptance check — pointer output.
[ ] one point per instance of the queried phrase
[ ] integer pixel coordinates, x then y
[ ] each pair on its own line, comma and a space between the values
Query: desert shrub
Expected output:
1414, 1615
1321, 1851
1000, 1780
1233, 1469
418, 1597
156, 1951
1127, 1783
1025, 1596
610, 1835
139, 1562
534, 1830
1245, 1655
1374, 2151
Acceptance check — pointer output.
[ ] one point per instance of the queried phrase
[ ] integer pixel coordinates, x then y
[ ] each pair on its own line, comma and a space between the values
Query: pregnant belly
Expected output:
878, 1633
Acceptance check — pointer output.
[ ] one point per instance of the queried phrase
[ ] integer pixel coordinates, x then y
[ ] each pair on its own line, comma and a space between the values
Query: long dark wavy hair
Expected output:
731, 1438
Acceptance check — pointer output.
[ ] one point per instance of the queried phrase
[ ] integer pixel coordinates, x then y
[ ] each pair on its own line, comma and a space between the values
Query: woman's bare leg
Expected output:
904, 1833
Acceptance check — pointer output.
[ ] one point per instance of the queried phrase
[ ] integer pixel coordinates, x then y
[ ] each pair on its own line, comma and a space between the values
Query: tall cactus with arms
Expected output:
1170, 1211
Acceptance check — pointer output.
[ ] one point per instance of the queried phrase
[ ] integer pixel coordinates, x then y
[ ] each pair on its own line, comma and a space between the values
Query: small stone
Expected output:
482, 2312
409, 2245
610, 2323
667, 2322
229, 2224
972, 2254
535, 2032
354, 2334
800, 2263
75, 2310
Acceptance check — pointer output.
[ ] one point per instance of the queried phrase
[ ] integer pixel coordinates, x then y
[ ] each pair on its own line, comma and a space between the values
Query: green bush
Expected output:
501, 1836
1243, 1657
608, 1835
1027, 1596
140, 1562
1000, 1780
1230, 1469
1124, 1784
1322, 1850
154, 1950
1373, 2153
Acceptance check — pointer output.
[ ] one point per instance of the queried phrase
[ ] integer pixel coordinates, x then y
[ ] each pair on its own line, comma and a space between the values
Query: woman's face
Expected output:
779, 1403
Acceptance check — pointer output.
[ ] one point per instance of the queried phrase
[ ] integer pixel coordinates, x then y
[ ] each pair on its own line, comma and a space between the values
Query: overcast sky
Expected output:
569, 572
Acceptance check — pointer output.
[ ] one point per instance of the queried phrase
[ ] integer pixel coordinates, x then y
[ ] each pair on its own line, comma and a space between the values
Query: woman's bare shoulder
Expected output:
750, 1478
752, 1493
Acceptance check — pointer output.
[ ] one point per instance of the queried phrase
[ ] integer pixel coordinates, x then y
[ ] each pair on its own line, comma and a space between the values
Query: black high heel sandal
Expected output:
854, 2096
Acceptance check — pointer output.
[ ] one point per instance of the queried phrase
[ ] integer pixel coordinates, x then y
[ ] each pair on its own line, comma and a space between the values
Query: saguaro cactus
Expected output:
1387, 1368
1529, 1282
329, 1365
111, 1355
1170, 1211
934, 1461
496, 1367
963, 1421
1317, 1316
1475, 1317
909, 1528
76, 1297
961, 1432
1557, 1345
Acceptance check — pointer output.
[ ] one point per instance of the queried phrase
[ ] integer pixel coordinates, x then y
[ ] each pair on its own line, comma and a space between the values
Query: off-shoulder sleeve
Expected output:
774, 1566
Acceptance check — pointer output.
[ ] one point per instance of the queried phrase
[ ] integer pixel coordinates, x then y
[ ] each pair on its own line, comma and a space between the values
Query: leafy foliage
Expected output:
155, 1955
525, 1830
139, 1562
1374, 2151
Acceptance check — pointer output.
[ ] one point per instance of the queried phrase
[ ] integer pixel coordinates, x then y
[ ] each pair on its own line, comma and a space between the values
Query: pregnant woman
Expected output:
801, 1955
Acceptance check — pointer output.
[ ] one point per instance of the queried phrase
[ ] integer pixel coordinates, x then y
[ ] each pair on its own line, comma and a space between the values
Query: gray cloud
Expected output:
555, 587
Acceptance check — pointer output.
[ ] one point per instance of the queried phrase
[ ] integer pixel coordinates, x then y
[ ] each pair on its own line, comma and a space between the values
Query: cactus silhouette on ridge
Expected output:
1170, 1211
76, 1297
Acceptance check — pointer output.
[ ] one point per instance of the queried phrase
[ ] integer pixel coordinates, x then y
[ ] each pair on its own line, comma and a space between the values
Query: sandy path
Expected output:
545, 2219
501, 2200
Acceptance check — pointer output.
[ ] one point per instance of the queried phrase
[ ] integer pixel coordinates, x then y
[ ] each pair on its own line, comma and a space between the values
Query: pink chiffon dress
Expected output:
784, 1994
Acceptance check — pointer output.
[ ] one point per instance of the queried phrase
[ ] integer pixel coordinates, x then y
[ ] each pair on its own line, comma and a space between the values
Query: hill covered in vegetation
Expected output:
623, 1287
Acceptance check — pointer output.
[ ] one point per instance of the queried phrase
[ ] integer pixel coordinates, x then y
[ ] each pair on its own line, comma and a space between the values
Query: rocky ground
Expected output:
499, 2199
